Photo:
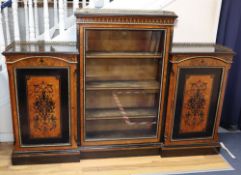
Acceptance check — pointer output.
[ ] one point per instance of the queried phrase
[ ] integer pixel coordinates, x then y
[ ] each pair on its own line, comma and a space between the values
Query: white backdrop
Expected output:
6, 133
197, 19
197, 22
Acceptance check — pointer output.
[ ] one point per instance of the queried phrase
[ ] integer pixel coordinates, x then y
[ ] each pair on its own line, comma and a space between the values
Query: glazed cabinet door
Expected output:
43, 106
123, 77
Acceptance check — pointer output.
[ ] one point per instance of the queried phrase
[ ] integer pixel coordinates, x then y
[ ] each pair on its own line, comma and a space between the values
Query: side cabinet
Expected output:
43, 98
198, 77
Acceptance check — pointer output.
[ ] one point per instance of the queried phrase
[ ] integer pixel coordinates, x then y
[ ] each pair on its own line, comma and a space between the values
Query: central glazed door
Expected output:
123, 76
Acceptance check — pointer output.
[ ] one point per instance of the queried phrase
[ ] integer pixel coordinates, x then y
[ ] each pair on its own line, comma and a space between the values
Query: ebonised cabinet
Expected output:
124, 89
43, 98
198, 75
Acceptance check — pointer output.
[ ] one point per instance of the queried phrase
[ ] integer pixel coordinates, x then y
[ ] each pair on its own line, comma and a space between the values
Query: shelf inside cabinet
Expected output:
122, 85
109, 114
120, 134
123, 55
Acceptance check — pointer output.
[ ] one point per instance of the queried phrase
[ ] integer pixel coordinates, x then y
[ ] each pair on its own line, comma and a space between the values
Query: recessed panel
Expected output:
43, 100
196, 102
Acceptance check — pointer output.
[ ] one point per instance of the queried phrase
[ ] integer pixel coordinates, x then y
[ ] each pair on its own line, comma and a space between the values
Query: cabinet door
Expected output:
43, 106
123, 78
197, 97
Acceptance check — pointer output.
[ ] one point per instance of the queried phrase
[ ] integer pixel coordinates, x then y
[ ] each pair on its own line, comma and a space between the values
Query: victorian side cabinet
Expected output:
123, 89
43, 91
198, 77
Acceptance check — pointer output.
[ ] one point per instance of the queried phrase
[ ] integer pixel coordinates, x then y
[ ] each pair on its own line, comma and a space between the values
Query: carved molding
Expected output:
127, 20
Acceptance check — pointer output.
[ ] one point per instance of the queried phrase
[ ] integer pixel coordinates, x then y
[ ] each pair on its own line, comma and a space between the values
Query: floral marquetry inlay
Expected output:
44, 106
196, 102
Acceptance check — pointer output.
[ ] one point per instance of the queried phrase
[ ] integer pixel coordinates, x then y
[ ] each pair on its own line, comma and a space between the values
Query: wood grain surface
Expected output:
197, 93
44, 106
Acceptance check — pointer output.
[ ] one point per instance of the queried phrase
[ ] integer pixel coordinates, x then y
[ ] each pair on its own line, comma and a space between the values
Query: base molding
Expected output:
119, 153
42, 157
190, 150
105, 151
86, 152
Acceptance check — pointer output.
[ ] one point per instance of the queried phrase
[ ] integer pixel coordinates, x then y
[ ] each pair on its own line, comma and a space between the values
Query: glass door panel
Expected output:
124, 41
112, 114
123, 73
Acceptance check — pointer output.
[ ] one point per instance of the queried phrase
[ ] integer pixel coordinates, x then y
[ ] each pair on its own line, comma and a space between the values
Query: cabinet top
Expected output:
115, 12
127, 17
199, 48
41, 48
185, 51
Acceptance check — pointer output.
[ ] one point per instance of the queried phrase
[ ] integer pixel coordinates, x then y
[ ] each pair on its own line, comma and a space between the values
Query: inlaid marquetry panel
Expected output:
197, 96
196, 102
44, 106
43, 99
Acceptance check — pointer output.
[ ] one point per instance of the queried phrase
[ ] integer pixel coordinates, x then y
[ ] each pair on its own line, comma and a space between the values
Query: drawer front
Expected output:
197, 97
43, 106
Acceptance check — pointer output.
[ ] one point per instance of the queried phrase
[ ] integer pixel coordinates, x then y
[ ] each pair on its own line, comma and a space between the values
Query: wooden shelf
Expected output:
110, 114
123, 55
122, 85
133, 133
